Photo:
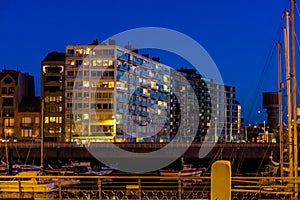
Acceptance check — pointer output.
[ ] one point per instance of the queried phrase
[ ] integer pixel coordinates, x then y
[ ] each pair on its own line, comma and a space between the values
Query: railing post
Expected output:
59, 189
140, 189
99, 189
20, 187
179, 188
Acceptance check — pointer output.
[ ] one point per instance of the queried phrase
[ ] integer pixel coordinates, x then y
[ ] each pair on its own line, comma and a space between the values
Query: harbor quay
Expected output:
73, 150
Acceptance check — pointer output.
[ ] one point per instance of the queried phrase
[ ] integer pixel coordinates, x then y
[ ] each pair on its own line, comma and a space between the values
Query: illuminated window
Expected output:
37, 120
44, 68
9, 122
86, 83
26, 120
153, 84
72, 63
111, 85
86, 62
46, 120
51, 130
85, 116
26, 132
58, 120
52, 119
166, 78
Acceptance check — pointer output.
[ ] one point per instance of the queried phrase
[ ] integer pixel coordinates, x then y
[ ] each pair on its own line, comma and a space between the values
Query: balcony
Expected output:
123, 67
124, 57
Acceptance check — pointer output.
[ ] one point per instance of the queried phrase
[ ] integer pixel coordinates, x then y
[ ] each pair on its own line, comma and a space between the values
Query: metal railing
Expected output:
140, 187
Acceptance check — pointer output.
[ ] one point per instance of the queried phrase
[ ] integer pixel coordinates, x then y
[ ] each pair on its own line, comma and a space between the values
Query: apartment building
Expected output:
14, 87
52, 93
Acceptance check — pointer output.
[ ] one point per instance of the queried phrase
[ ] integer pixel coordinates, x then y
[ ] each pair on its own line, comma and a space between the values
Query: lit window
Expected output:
86, 83
26, 132
153, 84
111, 85
166, 78
26, 120
46, 120
85, 116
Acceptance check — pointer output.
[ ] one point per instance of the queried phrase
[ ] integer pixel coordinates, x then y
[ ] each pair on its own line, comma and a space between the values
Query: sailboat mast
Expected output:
288, 92
42, 135
294, 97
280, 132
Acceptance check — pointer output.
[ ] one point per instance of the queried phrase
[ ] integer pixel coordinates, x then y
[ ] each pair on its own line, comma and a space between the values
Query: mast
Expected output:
42, 135
280, 132
294, 88
288, 92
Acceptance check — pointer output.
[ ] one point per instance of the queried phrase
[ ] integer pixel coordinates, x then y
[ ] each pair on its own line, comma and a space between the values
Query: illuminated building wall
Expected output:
200, 88
14, 87
52, 79
28, 119
110, 93
113, 94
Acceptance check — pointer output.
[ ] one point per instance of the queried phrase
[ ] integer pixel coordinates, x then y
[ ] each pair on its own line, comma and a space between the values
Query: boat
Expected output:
187, 170
27, 182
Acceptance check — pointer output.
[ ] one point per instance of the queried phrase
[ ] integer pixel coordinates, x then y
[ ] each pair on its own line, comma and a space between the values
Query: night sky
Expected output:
239, 35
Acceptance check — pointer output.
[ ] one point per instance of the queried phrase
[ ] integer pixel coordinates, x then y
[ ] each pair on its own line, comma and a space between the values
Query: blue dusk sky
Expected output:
239, 35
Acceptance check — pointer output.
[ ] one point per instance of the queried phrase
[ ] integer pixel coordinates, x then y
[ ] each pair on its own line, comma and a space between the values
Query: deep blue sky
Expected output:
237, 34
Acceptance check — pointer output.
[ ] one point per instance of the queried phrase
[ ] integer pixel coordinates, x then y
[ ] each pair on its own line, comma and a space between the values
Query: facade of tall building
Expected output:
233, 115
52, 93
111, 93
204, 101
14, 87
115, 94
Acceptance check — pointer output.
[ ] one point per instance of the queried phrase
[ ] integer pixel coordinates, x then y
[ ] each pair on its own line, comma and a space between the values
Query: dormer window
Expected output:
7, 80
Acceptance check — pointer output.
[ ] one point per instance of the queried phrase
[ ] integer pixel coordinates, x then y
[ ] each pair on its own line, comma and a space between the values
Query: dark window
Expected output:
11, 90
8, 101
7, 80
4, 90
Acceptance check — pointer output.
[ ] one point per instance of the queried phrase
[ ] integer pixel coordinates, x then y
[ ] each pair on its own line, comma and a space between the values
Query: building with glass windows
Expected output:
28, 119
14, 87
52, 101
114, 94
110, 93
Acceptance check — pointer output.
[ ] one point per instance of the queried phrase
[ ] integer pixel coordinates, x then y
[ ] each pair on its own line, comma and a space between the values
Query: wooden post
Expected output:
221, 180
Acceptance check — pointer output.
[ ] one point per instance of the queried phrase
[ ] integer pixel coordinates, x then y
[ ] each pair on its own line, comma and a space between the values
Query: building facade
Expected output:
52, 96
106, 93
111, 92
200, 87
28, 119
14, 87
